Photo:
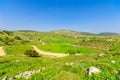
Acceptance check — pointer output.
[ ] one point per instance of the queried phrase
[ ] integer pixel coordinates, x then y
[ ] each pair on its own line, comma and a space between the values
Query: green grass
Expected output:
64, 75
55, 40
63, 48
16, 50
55, 67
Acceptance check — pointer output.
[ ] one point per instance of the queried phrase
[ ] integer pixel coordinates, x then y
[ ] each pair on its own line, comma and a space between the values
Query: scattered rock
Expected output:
93, 70
41, 42
101, 54
34, 71
11, 78
17, 60
43, 68
18, 76
26, 74
69, 64
5, 78
38, 71
115, 71
113, 61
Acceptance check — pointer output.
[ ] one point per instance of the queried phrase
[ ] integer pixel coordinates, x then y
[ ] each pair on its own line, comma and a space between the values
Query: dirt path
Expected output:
2, 53
48, 53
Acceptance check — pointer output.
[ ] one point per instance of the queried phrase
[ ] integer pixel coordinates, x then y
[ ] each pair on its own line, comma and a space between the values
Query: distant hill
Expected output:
108, 34
73, 33
87, 33
64, 33
25, 31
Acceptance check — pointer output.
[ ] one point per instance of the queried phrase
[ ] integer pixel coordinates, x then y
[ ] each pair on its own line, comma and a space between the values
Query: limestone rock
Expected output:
113, 61
101, 54
93, 70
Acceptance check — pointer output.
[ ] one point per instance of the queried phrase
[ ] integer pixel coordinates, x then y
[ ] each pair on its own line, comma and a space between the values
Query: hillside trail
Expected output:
2, 53
49, 53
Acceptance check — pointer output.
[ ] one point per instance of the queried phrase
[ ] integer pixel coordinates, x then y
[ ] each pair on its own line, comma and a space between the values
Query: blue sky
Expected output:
45, 15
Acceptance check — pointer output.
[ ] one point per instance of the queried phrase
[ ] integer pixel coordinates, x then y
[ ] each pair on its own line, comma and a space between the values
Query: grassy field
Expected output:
58, 48
72, 67
54, 68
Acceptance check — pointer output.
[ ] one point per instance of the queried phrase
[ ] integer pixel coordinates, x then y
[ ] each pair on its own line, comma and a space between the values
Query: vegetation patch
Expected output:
16, 50
32, 53
64, 75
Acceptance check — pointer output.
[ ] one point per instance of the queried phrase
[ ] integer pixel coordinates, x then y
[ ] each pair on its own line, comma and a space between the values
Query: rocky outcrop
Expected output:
25, 75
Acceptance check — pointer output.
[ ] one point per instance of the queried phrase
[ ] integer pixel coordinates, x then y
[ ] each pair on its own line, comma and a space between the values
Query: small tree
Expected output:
32, 53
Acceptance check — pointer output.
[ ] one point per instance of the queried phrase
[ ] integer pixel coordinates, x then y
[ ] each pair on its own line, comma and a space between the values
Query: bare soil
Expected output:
49, 53
2, 53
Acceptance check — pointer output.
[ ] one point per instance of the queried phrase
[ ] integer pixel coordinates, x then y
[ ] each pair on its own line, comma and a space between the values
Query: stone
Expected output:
11, 78
115, 71
26, 74
71, 63
34, 71
18, 76
17, 60
43, 68
37, 71
5, 78
93, 70
67, 63
101, 54
113, 61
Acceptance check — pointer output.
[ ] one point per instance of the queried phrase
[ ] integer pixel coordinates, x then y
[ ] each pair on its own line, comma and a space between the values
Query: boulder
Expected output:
93, 70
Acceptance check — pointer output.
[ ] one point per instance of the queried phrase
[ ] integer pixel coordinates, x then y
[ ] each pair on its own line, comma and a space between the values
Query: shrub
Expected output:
70, 52
32, 53
18, 38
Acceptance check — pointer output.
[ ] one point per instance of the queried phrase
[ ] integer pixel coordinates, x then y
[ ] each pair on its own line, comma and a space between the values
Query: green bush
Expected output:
71, 52
32, 53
